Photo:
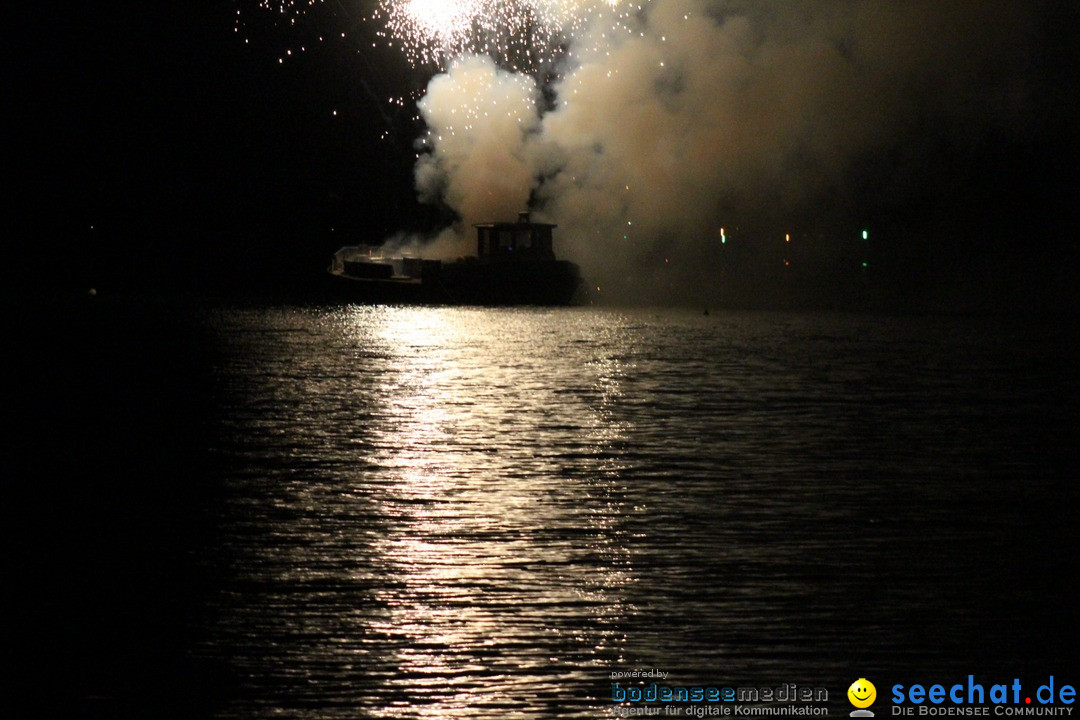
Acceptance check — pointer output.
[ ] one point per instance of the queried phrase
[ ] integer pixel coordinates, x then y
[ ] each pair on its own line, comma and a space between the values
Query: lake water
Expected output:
381, 512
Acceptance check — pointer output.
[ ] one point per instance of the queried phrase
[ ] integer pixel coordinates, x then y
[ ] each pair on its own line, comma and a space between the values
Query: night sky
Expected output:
155, 150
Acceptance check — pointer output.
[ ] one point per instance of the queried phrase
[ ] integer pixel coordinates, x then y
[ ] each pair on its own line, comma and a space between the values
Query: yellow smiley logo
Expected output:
862, 693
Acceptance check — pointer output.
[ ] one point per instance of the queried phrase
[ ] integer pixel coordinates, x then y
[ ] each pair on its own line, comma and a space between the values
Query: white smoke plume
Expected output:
479, 120
719, 113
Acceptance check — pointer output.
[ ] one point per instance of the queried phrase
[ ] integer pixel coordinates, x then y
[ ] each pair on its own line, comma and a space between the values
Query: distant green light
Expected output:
865, 264
865, 234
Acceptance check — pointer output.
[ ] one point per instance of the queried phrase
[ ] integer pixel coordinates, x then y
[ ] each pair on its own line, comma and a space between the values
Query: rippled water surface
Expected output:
484, 513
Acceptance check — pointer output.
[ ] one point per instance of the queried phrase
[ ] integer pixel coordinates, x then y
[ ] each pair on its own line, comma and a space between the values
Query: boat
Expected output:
515, 264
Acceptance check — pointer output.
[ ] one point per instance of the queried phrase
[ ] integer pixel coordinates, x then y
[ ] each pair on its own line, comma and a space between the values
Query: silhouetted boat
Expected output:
514, 265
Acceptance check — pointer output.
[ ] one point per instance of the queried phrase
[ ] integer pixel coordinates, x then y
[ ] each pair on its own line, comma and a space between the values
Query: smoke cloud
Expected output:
738, 114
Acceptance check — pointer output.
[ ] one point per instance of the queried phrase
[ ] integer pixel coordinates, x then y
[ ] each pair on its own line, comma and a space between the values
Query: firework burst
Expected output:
518, 34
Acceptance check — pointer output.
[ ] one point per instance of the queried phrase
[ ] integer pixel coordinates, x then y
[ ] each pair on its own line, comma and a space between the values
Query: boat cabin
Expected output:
523, 240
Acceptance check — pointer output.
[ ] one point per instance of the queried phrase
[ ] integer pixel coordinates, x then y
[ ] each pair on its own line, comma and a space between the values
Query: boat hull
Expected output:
552, 282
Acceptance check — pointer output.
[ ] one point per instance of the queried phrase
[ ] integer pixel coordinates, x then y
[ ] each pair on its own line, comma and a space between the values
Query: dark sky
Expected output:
154, 148
151, 139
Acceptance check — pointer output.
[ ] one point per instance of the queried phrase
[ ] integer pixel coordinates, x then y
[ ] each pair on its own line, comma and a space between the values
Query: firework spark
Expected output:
519, 34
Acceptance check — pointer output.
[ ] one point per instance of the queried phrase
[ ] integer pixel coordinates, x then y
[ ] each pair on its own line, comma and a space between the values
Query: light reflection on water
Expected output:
468, 513
430, 522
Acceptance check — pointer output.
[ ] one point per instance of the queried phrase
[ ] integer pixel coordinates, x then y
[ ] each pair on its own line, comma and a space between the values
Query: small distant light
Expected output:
787, 237
865, 234
865, 264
